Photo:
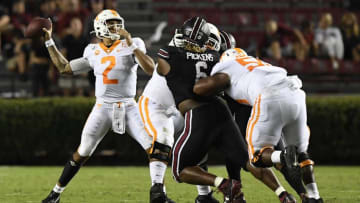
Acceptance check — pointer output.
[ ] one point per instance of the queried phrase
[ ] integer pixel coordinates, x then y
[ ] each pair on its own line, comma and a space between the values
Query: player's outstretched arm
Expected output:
211, 85
145, 61
61, 63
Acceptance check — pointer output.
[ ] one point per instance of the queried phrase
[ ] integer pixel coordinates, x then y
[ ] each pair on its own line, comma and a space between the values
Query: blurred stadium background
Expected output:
42, 113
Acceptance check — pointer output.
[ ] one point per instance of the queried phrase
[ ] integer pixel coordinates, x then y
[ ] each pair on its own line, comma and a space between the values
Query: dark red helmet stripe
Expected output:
226, 39
197, 26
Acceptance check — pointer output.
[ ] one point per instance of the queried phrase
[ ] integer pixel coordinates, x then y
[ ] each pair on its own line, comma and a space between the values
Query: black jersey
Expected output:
186, 68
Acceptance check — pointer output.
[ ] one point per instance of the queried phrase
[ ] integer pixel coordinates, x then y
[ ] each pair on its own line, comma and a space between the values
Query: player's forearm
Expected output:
145, 61
60, 62
205, 87
211, 85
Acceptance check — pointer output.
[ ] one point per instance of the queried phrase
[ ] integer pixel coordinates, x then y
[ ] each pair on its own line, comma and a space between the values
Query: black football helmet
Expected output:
195, 31
227, 41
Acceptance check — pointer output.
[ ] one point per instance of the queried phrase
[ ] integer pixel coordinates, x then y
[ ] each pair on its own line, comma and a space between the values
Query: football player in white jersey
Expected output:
221, 41
161, 120
114, 61
279, 106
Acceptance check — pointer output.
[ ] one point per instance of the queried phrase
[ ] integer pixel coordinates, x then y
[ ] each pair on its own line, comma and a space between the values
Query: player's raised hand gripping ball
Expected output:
35, 27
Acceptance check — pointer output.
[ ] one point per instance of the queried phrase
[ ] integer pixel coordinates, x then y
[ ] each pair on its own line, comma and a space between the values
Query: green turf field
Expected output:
131, 184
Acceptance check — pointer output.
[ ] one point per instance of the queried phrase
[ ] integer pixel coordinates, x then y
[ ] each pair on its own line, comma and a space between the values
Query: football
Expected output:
34, 29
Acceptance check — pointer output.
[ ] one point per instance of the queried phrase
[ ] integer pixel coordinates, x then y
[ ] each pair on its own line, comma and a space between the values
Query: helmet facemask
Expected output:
113, 28
214, 39
107, 24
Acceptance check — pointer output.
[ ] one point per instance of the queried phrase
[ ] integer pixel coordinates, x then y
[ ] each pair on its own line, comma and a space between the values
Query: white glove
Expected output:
178, 39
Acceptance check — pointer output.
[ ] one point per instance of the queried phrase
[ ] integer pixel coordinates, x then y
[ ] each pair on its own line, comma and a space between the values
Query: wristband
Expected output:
49, 43
133, 47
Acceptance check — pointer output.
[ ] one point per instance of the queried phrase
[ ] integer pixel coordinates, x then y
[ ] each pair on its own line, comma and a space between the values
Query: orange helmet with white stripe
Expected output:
102, 29
232, 54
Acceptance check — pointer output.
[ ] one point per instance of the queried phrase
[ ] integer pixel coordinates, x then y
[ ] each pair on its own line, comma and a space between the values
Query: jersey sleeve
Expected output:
164, 53
221, 67
140, 44
80, 65
87, 50
83, 64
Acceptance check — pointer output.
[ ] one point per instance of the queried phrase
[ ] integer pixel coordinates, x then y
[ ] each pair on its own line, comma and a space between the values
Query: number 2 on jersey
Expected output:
106, 80
250, 63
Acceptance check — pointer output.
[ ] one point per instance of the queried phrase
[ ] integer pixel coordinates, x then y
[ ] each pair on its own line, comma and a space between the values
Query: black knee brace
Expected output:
304, 160
161, 152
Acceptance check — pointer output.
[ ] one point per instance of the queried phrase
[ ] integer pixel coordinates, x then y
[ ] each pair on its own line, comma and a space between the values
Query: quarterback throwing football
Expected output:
114, 61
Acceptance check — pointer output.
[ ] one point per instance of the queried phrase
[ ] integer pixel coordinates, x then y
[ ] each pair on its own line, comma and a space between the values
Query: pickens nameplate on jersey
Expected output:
186, 68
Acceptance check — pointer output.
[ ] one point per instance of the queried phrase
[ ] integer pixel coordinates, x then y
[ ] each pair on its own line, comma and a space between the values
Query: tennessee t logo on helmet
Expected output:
101, 27
232, 54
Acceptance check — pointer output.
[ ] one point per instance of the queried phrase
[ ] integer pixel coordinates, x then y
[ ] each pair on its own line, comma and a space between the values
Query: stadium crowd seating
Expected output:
244, 19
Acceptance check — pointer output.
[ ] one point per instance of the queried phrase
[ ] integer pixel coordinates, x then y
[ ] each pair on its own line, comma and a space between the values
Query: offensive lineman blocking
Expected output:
278, 107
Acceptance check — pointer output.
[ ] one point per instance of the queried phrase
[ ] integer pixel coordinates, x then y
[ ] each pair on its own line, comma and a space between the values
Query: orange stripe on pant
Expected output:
253, 124
142, 115
249, 124
149, 122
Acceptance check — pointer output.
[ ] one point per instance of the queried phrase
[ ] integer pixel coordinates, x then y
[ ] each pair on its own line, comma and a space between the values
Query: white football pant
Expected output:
158, 120
277, 112
100, 121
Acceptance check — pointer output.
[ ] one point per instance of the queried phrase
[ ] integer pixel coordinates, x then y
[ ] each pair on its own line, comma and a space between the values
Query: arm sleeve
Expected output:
80, 65
164, 53
83, 64
220, 67
140, 44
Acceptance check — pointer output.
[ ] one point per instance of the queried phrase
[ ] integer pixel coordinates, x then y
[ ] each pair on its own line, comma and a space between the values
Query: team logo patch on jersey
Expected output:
97, 52
163, 53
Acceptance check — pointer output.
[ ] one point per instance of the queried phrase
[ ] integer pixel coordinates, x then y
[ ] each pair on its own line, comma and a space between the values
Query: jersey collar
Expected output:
109, 49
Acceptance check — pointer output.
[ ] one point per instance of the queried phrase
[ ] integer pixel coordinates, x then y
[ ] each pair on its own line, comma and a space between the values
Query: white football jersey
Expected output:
115, 69
157, 90
249, 77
